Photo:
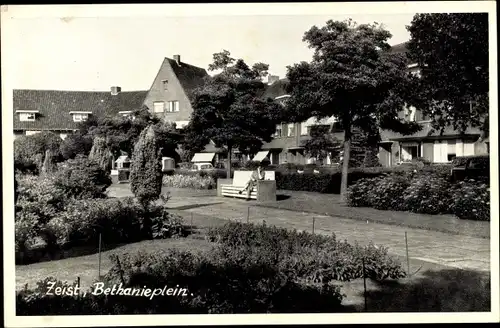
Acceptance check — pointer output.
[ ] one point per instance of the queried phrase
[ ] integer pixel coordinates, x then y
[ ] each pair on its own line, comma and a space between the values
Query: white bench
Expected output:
239, 182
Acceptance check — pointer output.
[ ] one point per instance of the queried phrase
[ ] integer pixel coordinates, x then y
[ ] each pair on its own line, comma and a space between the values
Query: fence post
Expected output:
407, 256
248, 214
78, 286
191, 227
100, 244
314, 220
364, 285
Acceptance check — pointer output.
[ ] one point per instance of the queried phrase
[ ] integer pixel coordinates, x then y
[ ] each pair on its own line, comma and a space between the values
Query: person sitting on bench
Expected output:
258, 174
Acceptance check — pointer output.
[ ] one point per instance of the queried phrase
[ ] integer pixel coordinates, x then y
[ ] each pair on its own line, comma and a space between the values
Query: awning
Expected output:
260, 156
181, 124
123, 159
314, 121
203, 157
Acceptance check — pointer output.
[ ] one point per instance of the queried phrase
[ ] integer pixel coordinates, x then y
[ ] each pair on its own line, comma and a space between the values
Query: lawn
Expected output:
432, 288
329, 204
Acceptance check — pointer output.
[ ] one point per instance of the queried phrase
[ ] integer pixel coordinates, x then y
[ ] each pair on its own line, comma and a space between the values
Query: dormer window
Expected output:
80, 116
27, 115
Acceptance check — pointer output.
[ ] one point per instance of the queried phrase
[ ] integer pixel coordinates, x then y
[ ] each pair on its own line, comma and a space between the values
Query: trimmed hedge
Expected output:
189, 181
423, 192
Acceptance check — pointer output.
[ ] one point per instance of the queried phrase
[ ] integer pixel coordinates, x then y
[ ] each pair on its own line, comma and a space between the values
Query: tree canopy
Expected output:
355, 78
230, 108
452, 51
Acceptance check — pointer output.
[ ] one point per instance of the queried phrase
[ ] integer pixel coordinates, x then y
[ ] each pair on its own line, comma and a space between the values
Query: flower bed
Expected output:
252, 269
189, 181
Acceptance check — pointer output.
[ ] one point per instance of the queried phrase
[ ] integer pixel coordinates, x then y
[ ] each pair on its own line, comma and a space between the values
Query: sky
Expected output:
93, 47
94, 53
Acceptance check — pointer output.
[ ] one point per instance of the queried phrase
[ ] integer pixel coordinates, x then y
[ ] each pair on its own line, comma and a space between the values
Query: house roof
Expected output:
399, 48
190, 77
55, 106
276, 89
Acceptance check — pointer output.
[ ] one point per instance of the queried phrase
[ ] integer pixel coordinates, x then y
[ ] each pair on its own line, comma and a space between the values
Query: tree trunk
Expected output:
229, 150
345, 162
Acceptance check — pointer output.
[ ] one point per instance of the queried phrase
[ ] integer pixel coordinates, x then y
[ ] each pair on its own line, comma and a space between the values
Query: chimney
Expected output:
272, 78
115, 90
177, 59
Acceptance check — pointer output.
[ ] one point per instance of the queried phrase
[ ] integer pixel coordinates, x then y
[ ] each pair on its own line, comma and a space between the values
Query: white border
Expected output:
370, 8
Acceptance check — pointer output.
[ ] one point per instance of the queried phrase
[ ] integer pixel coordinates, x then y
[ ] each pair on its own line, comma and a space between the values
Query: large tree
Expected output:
321, 143
121, 133
452, 51
353, 77
230, 108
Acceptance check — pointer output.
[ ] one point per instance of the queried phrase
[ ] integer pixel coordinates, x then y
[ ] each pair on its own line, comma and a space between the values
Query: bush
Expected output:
123, 175
472, 201
303, 256
118, 220
389, 192
29, 151
429, 194
206, 284
359, 194
188, 181
76, 144
82, 178
39, 200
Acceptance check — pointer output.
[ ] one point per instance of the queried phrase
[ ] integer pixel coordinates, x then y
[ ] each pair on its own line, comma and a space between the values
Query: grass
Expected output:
434, 288
330, 204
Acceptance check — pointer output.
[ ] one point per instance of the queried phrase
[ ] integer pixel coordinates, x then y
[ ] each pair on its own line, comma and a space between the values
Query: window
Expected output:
173, 106
165, 84
27, 117
80, 117
159, 107
278, 132
290, 130
409, 113
452, 150
30, 133
304, 129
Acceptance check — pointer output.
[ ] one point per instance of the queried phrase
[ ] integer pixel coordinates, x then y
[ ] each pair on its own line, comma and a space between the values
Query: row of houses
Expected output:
171, 96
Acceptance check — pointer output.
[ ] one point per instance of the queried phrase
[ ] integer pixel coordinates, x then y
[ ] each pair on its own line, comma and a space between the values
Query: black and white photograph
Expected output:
322, 162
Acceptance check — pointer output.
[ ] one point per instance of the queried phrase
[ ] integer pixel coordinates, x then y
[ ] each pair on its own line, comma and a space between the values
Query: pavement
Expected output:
457, 251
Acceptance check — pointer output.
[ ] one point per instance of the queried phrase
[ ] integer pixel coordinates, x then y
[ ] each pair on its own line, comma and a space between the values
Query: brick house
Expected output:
396, 148
170, 95
60, 111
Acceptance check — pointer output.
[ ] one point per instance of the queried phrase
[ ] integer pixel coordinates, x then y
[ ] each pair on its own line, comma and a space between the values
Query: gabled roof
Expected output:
54, 106
276, 89
399, 48
190, 77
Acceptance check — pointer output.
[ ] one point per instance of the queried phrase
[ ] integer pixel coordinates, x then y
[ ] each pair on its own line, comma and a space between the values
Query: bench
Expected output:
265, 190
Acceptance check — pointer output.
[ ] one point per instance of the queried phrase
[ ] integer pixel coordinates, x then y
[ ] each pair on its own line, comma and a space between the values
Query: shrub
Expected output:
145, 172
76, 144
389, 191
100, 154
187, 181
429, 194
123, 175
359, 193
314, 258
82, 178
29, 151
472, 201
206, 284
